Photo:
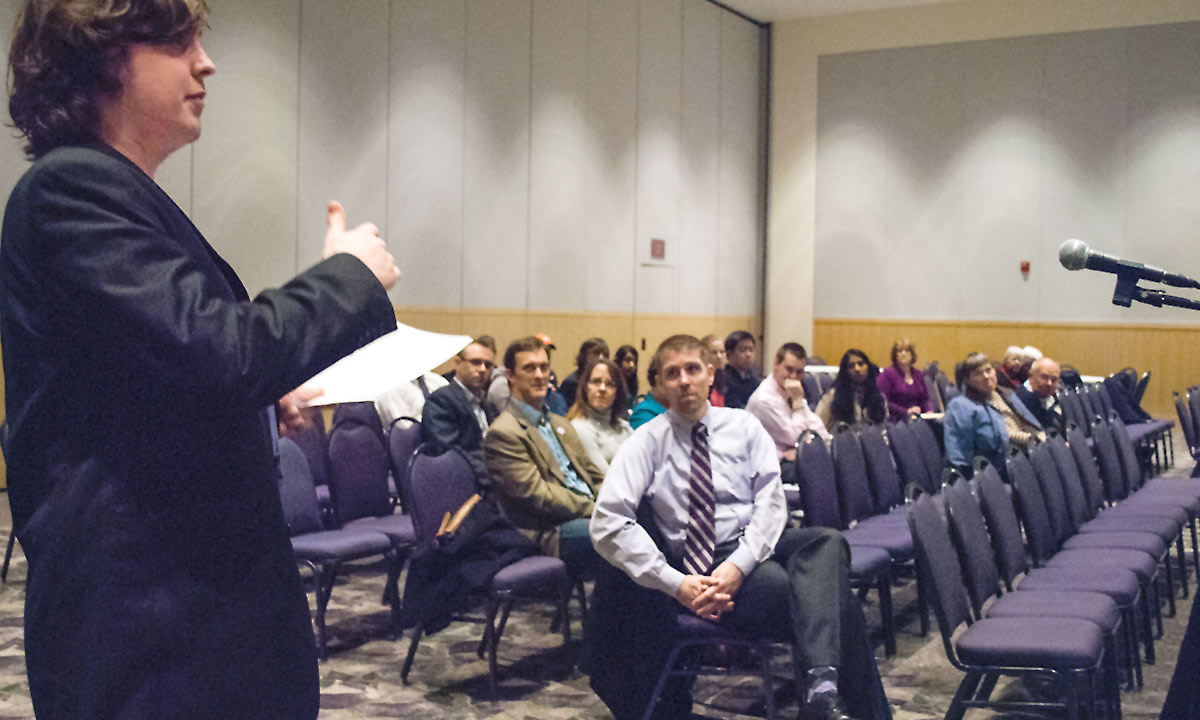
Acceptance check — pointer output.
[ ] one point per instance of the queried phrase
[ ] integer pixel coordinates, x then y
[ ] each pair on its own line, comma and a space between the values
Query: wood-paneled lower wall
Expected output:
644, 331
1167, 351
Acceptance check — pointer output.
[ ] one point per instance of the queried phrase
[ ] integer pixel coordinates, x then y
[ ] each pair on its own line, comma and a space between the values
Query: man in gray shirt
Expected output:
707, 480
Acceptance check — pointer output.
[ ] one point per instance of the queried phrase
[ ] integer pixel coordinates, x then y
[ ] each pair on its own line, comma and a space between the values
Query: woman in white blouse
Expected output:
599, 411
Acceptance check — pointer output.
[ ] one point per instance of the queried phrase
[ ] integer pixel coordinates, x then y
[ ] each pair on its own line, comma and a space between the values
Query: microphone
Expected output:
1076, 255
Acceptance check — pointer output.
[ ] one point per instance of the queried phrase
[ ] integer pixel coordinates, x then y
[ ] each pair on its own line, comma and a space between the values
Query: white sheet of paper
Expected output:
390, 361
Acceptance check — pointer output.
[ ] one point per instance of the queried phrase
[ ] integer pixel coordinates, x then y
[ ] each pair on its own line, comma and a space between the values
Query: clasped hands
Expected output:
710, 596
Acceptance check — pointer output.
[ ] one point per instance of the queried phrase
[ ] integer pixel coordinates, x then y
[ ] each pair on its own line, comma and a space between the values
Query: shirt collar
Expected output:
470, 394
532, 415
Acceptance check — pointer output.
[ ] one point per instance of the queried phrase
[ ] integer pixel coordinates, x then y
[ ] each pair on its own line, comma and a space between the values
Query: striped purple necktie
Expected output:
701, 539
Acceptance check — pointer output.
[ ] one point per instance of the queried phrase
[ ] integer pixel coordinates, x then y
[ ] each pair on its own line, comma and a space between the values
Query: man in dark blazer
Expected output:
141, 384
1037, 394
543, 476
456, 415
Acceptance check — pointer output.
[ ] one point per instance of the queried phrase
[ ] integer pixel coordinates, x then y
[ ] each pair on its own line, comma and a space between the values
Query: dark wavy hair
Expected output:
843, 392
66, 56
590, 346
620, 404
631, 381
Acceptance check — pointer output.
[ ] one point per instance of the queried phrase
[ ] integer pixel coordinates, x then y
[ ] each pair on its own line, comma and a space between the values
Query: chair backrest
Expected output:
850, 470
1193, 400
818, 488
1110, 461
358, 473
1103, 393
968, 528
363, 413
403, 439
938, 562
881, 469
812, 389
824, 381
440, 480
1131, 467
1140, 390
906, 451
1186, 422
935, 395
301, 510
315, 444
1089, 471
931, 452
1051, 484
1079, 414
1091, 403
1002, 523
1068, 474
1031, 506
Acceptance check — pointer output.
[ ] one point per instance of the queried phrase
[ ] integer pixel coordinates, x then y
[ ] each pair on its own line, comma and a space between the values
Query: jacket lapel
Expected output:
539, 444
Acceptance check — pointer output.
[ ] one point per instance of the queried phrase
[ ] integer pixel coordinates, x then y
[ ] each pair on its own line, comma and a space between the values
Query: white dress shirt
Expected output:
655, 463
476, 404
783, 422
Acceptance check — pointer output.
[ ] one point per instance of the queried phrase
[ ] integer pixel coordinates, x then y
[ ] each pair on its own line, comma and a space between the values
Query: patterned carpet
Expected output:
361, 678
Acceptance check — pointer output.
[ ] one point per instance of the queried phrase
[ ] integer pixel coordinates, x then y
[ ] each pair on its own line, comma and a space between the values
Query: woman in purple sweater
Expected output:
902, 384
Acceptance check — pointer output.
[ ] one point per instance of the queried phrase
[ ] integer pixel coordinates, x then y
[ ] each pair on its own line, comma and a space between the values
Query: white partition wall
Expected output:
517, 155
941, 168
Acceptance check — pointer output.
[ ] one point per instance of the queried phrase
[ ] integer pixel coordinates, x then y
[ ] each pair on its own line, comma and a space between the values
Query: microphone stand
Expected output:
1127, 291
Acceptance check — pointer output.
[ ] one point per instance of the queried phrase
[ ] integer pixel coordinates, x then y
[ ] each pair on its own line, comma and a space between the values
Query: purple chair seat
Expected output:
1163, 507
868, 560
896, 541
398, 528
339, 545
529, 572
1122, 587
1119, 520
1143, 542
694, 626
1045, 642
1093, 607
1105, 559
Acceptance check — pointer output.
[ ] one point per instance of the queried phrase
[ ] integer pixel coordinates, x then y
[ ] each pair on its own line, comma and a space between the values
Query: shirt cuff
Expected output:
744, 559
668, 582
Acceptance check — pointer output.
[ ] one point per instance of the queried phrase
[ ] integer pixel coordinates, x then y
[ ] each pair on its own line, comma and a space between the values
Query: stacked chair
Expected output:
1067, 651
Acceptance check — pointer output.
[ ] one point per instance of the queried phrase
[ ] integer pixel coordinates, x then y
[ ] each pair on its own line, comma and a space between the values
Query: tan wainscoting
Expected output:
1167, 351
568, 330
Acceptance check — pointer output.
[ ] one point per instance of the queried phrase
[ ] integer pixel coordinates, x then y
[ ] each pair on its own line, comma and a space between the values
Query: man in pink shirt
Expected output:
779, 403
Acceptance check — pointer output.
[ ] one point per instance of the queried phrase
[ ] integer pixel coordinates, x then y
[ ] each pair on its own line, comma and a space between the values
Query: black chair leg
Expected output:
966, 691
12, 539
418, 631
923, 606
886, 615
325, 582
489, 639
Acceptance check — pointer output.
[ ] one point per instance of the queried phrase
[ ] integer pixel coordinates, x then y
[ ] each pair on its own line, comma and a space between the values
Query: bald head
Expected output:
1044, 377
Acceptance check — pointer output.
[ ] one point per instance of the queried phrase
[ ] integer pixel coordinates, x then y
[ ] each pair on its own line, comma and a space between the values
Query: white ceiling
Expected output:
781, 10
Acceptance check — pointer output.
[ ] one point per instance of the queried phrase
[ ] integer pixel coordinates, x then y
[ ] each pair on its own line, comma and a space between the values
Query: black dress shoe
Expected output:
825, 706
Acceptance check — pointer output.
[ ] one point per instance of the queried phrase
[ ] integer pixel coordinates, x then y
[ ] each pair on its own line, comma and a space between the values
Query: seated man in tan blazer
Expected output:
544, 479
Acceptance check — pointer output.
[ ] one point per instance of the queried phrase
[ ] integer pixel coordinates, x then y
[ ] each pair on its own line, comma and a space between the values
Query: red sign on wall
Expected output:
658, 248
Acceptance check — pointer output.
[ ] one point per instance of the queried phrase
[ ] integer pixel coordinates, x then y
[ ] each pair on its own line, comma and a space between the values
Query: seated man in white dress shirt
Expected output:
692, 511
779, 405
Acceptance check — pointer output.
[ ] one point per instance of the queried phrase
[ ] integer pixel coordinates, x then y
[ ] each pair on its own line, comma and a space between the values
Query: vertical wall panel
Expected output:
496, 187
343, 116
659, 164
425, 163
12, 158
609, 224
244, 165
695, 253
739, 246
561, 155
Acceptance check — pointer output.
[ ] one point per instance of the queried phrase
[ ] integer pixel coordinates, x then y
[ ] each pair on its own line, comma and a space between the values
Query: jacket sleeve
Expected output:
135, 291
885, 385
516, 475
959, 436
440, 421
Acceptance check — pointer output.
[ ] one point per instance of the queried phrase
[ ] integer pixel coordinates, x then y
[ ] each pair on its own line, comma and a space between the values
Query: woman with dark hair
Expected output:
854, 398
142, 384
590, 351
599, 412
627, 361
902, 384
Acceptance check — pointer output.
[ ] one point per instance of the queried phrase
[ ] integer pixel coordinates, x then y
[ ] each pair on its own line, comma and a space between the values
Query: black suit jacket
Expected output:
449, 420
139, 385
1046, 417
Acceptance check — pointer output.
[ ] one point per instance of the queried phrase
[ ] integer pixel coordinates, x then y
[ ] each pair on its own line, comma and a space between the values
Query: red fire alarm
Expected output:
658, 248
1024, 267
